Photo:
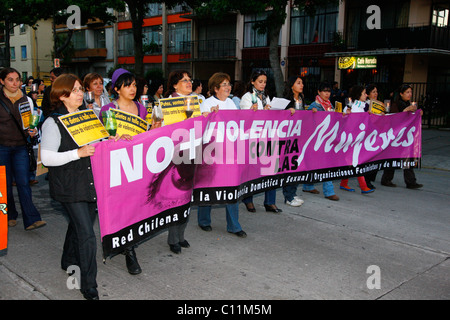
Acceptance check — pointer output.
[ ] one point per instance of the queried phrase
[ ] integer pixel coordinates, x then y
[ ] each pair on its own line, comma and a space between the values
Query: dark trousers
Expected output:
17, 164
408, 175
80, 246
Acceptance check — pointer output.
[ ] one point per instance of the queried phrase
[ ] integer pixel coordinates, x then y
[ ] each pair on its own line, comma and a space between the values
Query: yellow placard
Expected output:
377, 107
84, 127
128, 123
148, 118
337, 106
3, 212
39, 99
174, 109
25, 113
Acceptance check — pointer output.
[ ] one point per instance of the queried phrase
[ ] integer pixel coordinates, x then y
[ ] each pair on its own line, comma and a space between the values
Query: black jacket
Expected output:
74, 181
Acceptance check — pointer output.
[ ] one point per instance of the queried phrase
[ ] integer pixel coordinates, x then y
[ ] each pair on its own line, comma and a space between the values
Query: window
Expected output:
153, 10
153, 39
23, 28
251, 37
126, 43
23, 49
12, 51
79, 40
317, 29
99, 38
178, 33
440, 17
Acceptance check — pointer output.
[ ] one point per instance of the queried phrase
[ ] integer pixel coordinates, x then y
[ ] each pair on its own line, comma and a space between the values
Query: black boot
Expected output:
131, 261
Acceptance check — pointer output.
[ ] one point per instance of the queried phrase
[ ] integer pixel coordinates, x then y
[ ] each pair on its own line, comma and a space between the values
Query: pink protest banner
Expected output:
146, 185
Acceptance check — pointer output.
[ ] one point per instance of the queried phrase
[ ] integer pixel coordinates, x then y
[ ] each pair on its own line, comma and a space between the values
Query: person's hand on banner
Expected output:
86, 151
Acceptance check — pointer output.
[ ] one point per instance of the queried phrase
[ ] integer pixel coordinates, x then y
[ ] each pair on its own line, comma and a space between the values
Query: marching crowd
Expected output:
70, 176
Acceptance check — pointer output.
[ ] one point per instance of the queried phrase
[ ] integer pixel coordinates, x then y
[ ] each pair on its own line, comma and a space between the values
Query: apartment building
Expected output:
411, 44
30, 49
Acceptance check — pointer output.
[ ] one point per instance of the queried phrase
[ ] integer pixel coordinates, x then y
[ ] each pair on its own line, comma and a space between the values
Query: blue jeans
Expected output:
290, 192
232, 210
17, 164
328, 189
269, 197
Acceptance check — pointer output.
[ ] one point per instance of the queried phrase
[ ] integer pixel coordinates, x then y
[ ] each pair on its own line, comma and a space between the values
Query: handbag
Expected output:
30, 150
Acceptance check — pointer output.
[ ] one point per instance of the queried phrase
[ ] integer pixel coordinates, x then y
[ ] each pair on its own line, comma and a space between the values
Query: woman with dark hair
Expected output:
13, 149
71, 181
322, 103
179, 84
402, 103
141, 88
358, 96
239, 90
155, 91
294, 93
372, 94
197, 89
256, 98
123, 83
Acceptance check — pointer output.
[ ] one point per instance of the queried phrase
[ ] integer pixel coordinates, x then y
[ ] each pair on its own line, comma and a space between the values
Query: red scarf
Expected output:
325, 104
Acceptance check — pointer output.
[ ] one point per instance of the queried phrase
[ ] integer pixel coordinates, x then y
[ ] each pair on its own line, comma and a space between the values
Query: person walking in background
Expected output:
46, 104
239, 90
13, 150
93, 82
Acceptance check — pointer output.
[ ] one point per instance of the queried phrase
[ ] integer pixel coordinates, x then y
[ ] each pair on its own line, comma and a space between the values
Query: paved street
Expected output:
321, 250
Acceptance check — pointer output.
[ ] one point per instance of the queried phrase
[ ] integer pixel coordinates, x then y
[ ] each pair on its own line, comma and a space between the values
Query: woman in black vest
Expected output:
71, 182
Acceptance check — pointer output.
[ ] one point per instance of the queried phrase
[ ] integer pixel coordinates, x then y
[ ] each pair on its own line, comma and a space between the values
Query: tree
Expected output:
271, 26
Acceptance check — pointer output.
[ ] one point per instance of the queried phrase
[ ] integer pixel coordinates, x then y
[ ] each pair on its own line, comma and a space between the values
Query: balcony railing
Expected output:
405, 38
203, 50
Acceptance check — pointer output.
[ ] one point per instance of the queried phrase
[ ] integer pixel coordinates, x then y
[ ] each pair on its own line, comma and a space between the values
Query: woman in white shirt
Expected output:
220, 88
359, 96
256, 98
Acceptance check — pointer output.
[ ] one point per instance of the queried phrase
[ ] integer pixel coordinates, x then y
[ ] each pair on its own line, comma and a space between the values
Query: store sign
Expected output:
357, 62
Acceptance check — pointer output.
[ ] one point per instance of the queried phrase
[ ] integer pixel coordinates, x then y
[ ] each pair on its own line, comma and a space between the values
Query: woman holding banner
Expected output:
358, 96
179, 84
71, 182
256, 98
402, 103
294, 93
14, 104
322, 103
220, 88
124, 86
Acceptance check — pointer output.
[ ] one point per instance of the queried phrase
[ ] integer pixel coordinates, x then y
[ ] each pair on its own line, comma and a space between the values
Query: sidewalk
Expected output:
321, 250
